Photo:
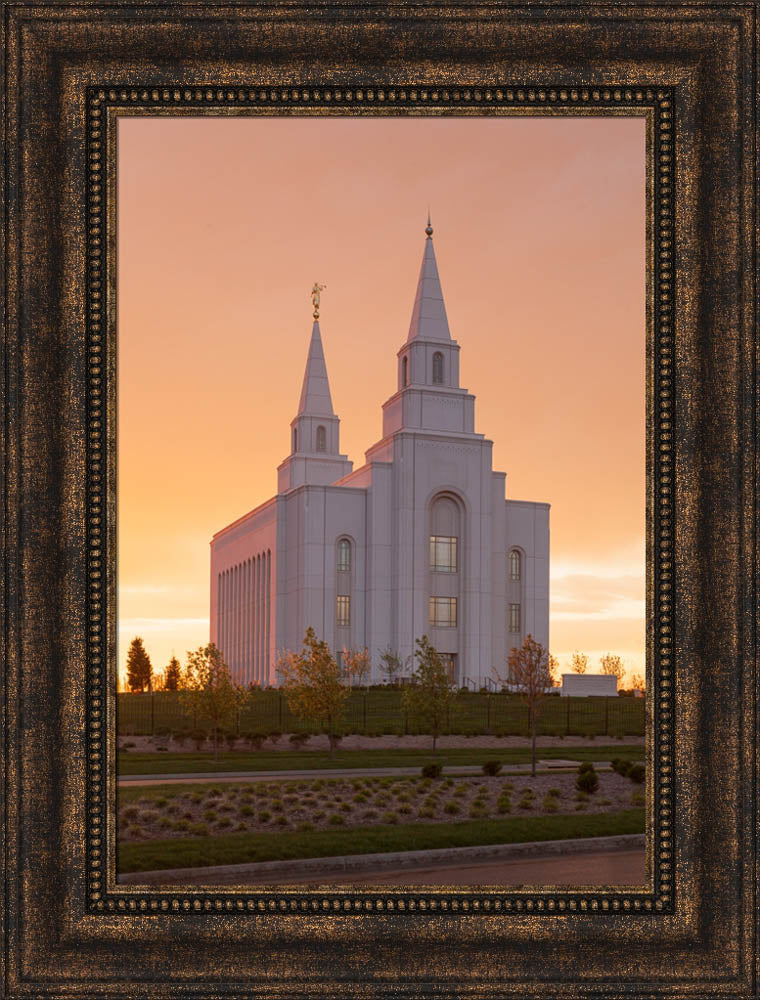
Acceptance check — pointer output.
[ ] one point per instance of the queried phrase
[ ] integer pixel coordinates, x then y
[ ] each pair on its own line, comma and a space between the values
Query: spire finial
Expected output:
428, 227
315, 297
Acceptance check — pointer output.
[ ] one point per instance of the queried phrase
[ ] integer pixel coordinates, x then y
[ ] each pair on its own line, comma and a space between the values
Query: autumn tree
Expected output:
613, 666
209, 692
638, 683
139, 669
554, 674
357, 665
392, 665
312, 684
173, 675
529, 673
431, 691
579, 663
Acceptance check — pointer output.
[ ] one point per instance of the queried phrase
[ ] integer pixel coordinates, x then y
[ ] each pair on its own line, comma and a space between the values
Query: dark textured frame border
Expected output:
68, 929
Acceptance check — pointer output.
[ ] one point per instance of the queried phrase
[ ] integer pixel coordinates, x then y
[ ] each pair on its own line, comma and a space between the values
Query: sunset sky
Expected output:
224, 226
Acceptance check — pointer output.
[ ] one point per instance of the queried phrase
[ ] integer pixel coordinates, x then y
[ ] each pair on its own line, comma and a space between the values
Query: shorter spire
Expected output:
315, 391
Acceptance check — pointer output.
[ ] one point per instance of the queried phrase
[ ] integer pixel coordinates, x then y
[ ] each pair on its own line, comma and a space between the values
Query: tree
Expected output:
431, 692
312, 684
579, 663
612, 665
392, 665
638, 683
173, 675
554, 671
357, 664
139, 669
529, 672
209, 692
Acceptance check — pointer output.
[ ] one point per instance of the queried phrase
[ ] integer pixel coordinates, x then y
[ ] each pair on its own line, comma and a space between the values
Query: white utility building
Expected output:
418, 541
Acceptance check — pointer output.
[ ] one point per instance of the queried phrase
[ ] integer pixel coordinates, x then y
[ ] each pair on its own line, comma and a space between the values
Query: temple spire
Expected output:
315, 392
429, 321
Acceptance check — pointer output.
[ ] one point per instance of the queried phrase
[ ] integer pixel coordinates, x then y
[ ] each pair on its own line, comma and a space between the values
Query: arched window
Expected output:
295, 439
344, 556
437, 368
405, 371
515, 565
321, 439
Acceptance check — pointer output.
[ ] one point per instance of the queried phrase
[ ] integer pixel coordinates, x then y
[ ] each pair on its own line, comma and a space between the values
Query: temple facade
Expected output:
421, 540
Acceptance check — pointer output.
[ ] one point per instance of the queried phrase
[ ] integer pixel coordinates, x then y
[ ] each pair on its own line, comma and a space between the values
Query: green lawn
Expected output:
240, 848
295, 760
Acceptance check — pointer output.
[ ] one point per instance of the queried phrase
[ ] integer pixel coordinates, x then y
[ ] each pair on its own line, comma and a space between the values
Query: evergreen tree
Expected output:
172, 675
139, 669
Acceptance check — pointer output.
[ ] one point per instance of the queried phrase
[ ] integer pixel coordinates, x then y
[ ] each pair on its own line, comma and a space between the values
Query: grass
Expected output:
302, 760
241, 848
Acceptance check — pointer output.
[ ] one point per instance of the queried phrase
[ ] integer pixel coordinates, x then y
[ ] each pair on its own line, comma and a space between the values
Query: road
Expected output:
601, 868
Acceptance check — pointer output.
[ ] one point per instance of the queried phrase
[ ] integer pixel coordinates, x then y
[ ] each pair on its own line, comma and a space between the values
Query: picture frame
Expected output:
68, 929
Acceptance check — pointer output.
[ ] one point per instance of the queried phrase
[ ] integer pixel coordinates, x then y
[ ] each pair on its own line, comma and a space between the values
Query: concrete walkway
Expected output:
617, 860
344, 772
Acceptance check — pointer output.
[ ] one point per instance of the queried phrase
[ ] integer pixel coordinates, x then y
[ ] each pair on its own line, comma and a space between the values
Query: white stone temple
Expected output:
418, 541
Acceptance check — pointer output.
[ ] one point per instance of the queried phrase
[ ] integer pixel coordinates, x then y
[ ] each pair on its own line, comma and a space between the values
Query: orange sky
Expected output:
225, 224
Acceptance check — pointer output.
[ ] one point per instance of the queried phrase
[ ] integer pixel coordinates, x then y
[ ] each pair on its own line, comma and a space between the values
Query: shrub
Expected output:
492, 767
369, 814
245, 811
587, 781
231, 739
130, 812
335, 819
550, 803
390, 817
503, 804
281, 820
134, 831
405, 809
160, 802
129, 745
555, 792
305, 827
274, 736
148, 816
198, 736
432, 770
182, 824
264, 816
452, 808
198, 829
224, 821
426, 812
477, 811
637, 798
346, 807
214, 793
585, 766
636, 773
174, 807
225, 807
621, 767
255, 741
180, 736
298, 740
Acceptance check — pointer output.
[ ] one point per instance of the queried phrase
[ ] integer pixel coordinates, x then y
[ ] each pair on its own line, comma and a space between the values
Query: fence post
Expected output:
364, 713
280, 709
606, 716
237, 721
567, 728
488, 713
152, 713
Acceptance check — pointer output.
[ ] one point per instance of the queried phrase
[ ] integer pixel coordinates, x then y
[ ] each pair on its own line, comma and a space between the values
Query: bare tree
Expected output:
357, 664
613, 666
529, 672
579, 663
392, 665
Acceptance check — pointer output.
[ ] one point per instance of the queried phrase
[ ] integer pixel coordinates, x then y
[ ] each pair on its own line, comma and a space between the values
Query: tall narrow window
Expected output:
443, 554
343, 610
321, 439
443, 612
515, 565
514, 617
344, 556
437, 368
404, 371
295, 439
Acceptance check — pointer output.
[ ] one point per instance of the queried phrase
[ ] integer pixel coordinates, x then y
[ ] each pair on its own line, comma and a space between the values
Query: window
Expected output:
443, 554
344, 555
514, 617
443, 612
343, 611
405, 371
295, 439
515, 565
437, 368
321, 439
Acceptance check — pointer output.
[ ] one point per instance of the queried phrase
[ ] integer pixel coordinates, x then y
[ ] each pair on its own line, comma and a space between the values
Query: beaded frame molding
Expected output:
104, 106
69, 929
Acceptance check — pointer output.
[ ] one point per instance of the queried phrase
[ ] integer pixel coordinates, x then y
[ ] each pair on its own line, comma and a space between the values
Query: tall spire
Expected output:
429, 320
315, 392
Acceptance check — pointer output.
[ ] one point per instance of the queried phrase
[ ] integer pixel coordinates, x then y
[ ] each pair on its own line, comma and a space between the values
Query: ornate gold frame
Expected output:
70, 71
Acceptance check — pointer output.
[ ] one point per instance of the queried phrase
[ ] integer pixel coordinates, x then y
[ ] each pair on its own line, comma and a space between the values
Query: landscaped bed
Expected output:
324, 804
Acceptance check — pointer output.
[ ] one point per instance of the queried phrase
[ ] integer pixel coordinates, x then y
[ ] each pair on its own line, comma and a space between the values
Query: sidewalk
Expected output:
339, 772
593, 860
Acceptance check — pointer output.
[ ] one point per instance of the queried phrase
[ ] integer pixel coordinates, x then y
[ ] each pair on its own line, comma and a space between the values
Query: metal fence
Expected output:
378, 712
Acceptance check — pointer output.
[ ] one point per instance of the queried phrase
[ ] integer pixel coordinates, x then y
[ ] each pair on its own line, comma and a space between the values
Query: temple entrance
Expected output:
449, 661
